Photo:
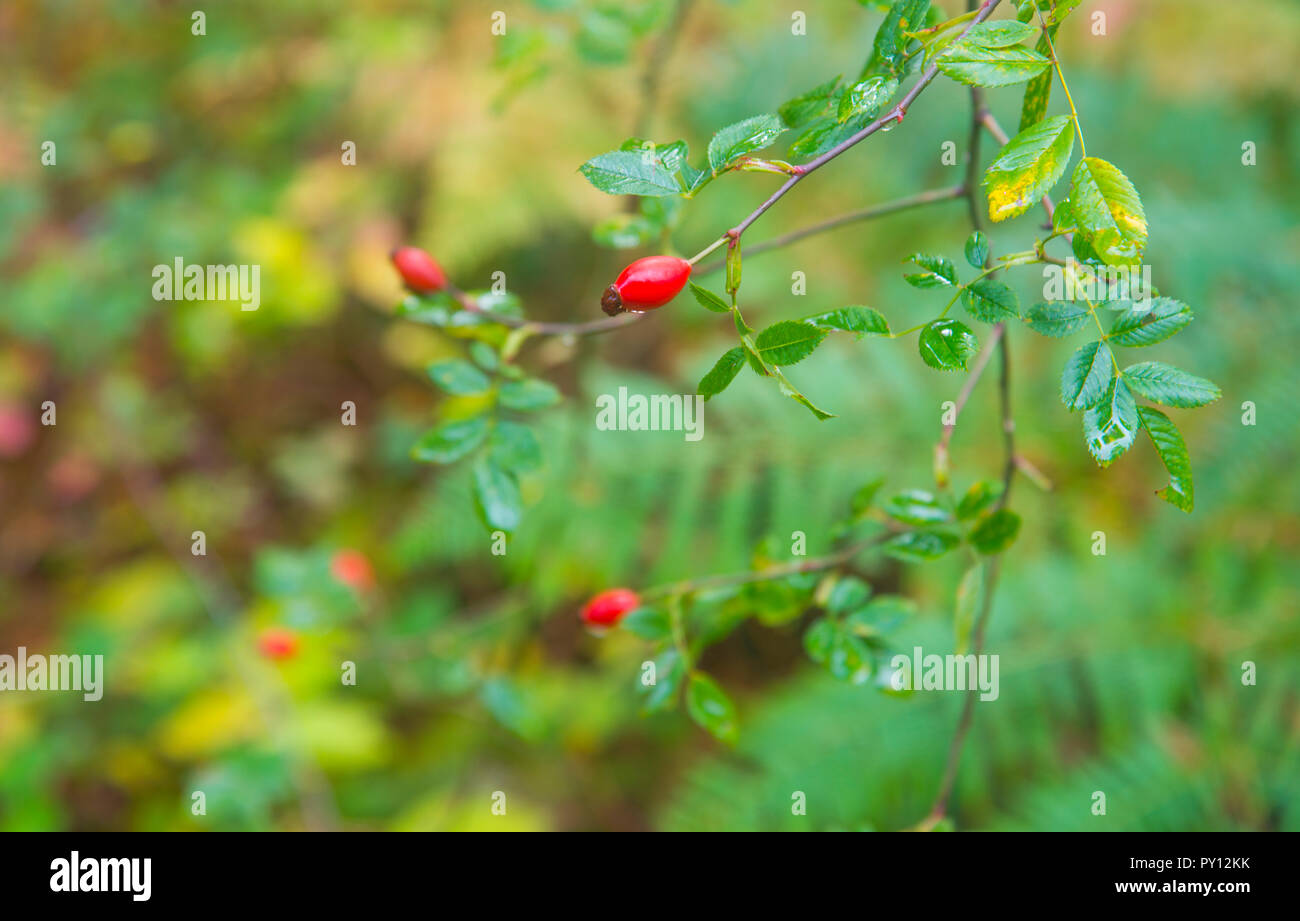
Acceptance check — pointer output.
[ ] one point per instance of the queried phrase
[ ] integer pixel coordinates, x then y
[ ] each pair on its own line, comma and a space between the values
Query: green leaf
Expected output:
867, 98
648, 623
624, 231
977, 65
722, 373
626, 172
514, 447
803, 109
711, 708
788, 342
458, 377
947, 345
1086, 376
978, 498
742, 137
1057, 319
920, 545
882, 614
864, 496
787, 389
450, 441
915, 506
849, 659
484, 356
977, 250
823, 134
1110, 427
818, 638
1038, 92
848, 593
528, 395
860, 320
1000, 34
1149, 322
496, 496
1108, 211
670, 671
708, 300
889, 49
1171, 386
1028, 166
941, 272
970, 591
995, 532
1173, 454
990, 301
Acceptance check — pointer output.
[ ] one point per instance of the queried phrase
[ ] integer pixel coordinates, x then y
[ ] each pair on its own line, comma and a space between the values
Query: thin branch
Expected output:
932, 196
977, 369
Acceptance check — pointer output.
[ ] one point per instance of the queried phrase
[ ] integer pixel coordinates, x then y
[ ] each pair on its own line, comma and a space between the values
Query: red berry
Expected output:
352, 569
608, 608
278, 643
417, 268
646, 284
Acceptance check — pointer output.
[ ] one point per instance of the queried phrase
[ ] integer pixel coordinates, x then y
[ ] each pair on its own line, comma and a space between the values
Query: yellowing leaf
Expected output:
1028, 166
1109, 212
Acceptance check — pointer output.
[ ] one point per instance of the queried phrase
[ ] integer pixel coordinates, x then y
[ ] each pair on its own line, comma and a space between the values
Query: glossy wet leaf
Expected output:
1087, 375
859, 320
627, 172
995, 532
889, 49
915, 506
940, 272
1170, 446
1110, 427
977, 250
802, 109
458, 377
990, 301
1028, 166
788, 342
711, 708
920, 545
1058, 319
743, 137
450, 441
1150, 322
978, 65
1108, 211
1171, 386
947, 345
496, 496
722, 373
867, 98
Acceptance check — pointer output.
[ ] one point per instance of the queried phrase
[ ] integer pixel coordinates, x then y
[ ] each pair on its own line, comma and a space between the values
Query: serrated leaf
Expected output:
941, 274
821, 414
450, 441
990, 301
1000, 34
722, 373
458, 377
859, 320
800, 110
711, 708
1110, 427
1169, 445
1028, 166
867, 98
889, 48
528, 394
915, 506
788, 342
823, 134
514, 447
626, 172
995, 532
1171, 386
496, 496
1150, 322
1057, 319
1108, 211
708, 300
977, 65
920, 545
978, 498
947, 345
741, 138
977, 250
1087, 375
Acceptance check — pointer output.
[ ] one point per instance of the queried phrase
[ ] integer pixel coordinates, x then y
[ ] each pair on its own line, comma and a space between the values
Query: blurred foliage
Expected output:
1121, 672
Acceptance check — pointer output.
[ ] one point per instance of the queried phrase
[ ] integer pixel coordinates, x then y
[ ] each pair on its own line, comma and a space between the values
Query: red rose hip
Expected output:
278, 643
419, 270
646, 284
352, 569
608, 608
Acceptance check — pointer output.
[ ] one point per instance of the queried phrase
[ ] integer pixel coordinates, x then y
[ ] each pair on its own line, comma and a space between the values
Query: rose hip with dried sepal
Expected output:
646, 284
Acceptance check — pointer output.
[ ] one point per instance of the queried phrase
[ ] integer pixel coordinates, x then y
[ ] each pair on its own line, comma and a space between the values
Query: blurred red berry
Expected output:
278, 643
646, 284
17, 430
608, 608
352, 569
418, 269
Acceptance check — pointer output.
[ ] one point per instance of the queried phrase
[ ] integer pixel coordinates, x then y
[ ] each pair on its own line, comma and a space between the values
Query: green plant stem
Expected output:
1083, 150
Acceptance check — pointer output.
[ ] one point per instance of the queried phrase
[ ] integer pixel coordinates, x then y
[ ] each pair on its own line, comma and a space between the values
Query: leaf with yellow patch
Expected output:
1028, 167
1109, 212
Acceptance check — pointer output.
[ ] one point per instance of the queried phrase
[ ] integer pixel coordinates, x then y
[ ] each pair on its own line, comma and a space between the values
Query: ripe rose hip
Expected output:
352, 569
278, 643
646, 284
608, 608
417, 268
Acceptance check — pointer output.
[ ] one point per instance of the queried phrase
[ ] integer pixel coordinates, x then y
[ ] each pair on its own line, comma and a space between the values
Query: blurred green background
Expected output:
1119, 673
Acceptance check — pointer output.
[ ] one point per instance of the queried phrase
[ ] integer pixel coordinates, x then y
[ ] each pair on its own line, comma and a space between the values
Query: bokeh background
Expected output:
1119, 673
